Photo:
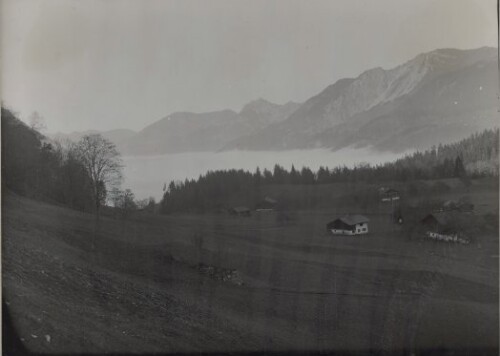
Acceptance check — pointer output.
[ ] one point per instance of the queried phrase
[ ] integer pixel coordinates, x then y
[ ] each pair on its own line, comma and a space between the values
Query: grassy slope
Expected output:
303, 289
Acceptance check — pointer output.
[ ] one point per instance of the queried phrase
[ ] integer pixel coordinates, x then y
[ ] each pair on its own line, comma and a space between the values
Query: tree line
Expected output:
34, 167
82, 175
473, 157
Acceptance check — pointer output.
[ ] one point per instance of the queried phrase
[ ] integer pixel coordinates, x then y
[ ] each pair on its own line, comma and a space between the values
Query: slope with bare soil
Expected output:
142, 289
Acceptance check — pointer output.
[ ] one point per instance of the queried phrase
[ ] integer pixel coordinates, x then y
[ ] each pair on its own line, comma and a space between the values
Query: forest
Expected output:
473, 157
83, 175
38, 168
35, 168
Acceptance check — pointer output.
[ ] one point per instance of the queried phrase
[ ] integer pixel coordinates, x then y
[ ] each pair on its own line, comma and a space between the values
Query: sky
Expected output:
108, 64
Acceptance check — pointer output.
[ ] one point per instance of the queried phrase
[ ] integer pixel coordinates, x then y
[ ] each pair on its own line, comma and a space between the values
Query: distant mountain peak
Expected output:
451, 58
258, 104
261, 100
434, 97
180, 115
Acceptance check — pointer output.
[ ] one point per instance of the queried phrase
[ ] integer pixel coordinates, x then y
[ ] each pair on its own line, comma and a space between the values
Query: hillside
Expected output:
276, 281
34, 167
473, 157
184, 131
437, 97
141, 290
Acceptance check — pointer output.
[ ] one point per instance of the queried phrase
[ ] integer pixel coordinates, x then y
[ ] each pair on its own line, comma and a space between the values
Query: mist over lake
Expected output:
146, 175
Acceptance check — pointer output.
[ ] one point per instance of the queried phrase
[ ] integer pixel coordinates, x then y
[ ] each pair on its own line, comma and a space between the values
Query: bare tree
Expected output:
125, 201
103, 165
147, 205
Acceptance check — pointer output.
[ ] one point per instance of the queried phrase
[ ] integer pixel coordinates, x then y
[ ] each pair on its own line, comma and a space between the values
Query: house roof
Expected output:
442, 218
241, 209
270, 200
353, 219
391, 191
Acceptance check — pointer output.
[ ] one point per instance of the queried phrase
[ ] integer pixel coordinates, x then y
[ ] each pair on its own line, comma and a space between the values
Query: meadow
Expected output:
142, 288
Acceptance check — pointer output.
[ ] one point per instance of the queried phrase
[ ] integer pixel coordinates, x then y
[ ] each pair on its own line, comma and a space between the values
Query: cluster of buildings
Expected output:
267, 204
443, 224
439, 225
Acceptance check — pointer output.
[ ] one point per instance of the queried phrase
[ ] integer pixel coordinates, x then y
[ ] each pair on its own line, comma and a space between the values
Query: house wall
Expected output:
342, 232
446, 238
390, 198
362, 228
359, 229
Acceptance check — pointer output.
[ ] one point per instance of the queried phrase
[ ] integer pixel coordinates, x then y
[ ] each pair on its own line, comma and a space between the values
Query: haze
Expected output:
125, 64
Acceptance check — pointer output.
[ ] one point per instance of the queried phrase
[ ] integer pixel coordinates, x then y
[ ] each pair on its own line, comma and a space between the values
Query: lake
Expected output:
146, 175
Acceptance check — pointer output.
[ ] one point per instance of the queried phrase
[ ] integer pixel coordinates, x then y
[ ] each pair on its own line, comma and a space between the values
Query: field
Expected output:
141, 289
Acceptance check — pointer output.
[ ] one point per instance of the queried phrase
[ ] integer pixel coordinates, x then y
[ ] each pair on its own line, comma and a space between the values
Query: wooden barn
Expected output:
441, 223
267, 204
443, 226
240, 211
349, 225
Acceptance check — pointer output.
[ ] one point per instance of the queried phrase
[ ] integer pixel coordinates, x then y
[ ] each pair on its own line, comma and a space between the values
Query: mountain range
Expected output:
436, 97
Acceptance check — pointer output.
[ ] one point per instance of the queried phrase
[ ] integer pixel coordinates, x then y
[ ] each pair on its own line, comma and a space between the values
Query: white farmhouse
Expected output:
349, 225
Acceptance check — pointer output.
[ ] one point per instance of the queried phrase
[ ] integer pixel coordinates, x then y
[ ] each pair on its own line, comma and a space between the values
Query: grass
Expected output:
140, 290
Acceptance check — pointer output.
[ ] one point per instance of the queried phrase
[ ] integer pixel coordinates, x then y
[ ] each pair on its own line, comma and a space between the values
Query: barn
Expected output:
240, 211
349, 225
440, 224
436, 221
443, 226
267, 204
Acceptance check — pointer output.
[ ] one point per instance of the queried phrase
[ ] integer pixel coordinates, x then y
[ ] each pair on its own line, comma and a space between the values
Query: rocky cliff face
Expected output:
445, 89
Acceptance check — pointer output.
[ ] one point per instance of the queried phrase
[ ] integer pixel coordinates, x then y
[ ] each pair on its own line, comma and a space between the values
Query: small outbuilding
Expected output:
267, 204
388, 195
240, 211
349, 225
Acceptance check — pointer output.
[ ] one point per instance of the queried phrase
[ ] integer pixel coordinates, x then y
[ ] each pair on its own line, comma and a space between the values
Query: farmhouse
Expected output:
240, 211
267, 204
349, 225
